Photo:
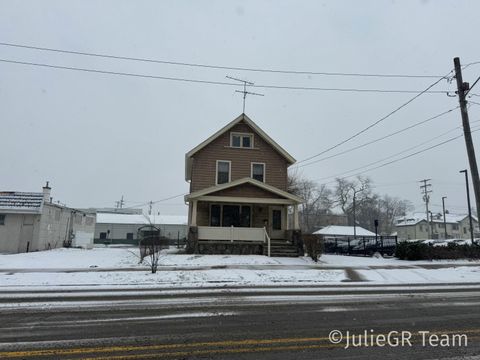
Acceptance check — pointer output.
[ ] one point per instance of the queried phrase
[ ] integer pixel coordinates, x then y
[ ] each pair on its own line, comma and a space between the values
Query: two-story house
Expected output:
416, 226
238, 200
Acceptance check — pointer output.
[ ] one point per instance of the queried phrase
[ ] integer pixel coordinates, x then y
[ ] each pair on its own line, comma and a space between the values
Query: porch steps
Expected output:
281, 248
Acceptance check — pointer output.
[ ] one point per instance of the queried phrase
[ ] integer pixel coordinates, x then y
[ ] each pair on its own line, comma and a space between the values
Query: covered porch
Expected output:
250, 222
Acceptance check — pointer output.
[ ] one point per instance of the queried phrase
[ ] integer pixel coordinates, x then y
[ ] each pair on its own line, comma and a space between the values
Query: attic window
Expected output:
240, 140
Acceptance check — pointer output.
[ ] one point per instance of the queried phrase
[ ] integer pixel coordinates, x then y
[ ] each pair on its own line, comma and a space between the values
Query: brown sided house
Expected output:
238, 201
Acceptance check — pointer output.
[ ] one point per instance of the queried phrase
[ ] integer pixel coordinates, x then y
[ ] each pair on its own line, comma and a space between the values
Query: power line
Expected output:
394, 161
379, 139
218, 67
157, 201
378, 121
222, 83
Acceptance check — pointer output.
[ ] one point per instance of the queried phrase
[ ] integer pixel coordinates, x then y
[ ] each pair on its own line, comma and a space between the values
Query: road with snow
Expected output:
240, 322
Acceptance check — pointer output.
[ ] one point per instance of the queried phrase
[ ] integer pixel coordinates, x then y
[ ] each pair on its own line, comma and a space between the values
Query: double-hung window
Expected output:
223, 171
241, 140
258, 171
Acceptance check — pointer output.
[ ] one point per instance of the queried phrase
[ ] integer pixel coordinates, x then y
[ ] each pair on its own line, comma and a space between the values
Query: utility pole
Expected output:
426, 198
463, 89
444, 219
121, 203
469, 206
150, 208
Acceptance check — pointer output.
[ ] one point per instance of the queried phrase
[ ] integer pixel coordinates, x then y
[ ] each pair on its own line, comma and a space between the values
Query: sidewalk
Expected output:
243, 267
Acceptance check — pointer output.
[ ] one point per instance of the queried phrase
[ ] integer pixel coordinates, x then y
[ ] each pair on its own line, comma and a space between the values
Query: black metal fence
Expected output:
366, 245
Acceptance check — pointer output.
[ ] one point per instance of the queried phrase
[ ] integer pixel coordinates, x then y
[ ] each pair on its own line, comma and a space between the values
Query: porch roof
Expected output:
282, 197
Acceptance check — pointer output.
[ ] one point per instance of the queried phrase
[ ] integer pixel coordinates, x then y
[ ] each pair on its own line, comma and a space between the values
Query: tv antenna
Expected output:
244, 92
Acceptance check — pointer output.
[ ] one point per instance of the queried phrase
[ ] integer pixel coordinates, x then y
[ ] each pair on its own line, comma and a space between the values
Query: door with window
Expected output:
277, 222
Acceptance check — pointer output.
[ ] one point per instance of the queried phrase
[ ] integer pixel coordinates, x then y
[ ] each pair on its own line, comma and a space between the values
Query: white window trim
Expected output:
264, 169
251, 135
229, 170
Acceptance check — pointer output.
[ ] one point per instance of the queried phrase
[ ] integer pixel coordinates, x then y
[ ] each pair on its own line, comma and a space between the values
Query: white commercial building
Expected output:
30, 221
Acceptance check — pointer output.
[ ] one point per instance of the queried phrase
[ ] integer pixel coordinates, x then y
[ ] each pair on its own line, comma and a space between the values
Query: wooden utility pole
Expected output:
469, 206
444, 218
426, 198
463, 88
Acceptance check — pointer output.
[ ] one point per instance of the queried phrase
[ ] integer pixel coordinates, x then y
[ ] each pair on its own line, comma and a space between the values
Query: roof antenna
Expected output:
244, 92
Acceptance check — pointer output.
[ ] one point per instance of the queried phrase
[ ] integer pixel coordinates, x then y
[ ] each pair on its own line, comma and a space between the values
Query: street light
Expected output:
355, 191
468, 202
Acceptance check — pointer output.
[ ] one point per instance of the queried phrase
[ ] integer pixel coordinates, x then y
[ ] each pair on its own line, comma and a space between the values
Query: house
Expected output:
343, 232
238, 200
30, 221
415, 226
118, 228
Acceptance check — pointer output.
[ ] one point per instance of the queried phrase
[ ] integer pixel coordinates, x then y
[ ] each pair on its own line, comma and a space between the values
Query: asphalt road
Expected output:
242, 323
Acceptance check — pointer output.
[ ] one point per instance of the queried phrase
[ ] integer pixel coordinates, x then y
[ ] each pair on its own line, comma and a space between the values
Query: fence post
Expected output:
381, 241
364, 248
348, 248
335, 246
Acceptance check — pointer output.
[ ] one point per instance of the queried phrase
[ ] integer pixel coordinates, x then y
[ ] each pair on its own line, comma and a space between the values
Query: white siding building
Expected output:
123, 228
416, 226
30, 222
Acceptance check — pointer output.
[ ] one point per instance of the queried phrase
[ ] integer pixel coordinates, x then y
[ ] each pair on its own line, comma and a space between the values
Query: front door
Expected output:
277, 222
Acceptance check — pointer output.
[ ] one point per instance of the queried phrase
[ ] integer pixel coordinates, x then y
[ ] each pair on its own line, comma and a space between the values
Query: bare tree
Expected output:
318, 201
151, 242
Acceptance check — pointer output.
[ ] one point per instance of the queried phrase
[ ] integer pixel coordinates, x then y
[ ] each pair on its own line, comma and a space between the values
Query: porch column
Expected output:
296, 225
194, 213
285, 217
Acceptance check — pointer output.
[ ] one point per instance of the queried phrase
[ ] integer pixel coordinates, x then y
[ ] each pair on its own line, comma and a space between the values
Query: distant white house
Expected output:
30, 221
337, 231
123, 228
416, 226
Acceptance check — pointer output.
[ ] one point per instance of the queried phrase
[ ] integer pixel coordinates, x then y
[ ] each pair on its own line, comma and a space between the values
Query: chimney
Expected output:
46, 193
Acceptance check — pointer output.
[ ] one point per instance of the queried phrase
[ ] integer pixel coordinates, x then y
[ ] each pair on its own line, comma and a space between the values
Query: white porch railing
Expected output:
231, 233
267, 238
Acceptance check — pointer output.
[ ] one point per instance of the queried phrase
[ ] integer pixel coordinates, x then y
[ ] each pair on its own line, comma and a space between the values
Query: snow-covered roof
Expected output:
415, 218
337, 230
20, 202
106, 218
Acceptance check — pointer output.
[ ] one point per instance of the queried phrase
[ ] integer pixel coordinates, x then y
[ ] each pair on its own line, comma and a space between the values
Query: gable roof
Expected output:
336, 230
238, 182
21, 202
417, 218
188, 156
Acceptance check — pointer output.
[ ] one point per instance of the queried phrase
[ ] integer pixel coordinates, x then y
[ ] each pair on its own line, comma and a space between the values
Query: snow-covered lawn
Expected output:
197, 278
121, 267
125, 258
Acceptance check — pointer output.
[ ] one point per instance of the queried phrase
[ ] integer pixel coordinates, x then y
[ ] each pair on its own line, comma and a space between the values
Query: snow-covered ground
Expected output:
78, 267
125, 258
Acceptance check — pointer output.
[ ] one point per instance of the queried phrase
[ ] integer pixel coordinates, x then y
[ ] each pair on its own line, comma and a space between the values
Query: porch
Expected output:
242, 214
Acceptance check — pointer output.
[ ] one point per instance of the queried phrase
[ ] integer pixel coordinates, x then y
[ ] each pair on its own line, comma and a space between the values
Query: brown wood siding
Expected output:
204, 161
246, 190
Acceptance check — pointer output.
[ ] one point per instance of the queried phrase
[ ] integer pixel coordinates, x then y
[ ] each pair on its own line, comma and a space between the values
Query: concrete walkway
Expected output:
244, 267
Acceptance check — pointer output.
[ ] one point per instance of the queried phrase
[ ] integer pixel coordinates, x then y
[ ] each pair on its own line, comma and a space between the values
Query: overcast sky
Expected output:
97, 137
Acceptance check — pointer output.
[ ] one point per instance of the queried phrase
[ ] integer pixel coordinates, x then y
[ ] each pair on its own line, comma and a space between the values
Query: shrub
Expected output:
421, 251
